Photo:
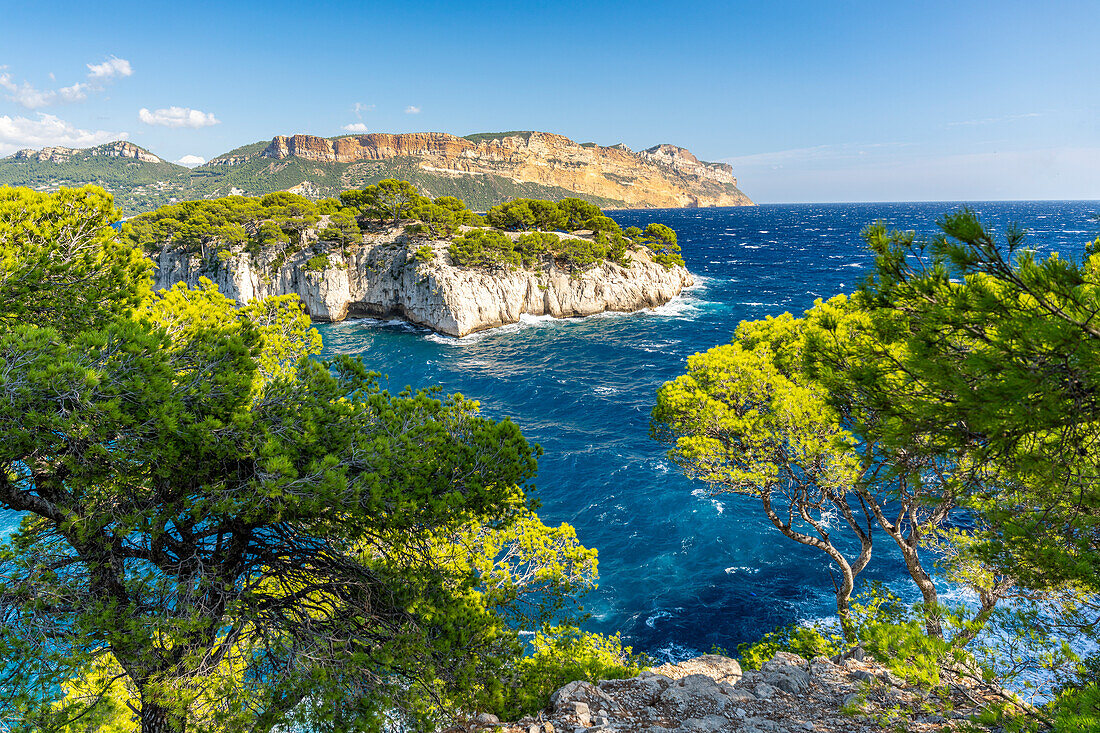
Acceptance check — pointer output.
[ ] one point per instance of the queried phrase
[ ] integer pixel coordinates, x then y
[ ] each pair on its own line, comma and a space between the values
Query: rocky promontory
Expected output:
389, 275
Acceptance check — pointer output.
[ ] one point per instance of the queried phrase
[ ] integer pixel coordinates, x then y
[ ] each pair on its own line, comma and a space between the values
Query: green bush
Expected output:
805, 641
533, 246
425, 253
317, 263
662, 241
560, 655
484, 248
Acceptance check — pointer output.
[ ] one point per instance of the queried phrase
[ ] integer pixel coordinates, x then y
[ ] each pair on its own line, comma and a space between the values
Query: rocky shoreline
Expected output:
388, 276
849, 693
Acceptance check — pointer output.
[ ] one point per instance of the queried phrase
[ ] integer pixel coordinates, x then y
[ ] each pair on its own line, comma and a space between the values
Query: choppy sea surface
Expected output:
680, 571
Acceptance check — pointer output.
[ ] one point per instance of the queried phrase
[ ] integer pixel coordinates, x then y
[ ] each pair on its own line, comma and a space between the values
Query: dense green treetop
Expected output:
61, 262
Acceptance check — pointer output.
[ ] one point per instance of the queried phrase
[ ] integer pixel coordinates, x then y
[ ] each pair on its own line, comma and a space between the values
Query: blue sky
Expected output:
809, 101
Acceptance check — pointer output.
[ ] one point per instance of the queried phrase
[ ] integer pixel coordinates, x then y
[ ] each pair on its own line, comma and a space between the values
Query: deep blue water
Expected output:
679, 571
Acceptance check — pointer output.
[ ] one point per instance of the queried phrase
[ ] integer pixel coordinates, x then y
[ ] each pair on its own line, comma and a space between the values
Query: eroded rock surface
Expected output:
848, 694
383, 278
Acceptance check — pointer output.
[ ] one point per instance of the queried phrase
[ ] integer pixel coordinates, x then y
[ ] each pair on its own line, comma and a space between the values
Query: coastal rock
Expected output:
382, 278
696, 695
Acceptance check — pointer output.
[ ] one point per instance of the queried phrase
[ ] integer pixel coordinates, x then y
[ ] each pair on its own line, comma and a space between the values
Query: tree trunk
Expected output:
933, 623
156, 719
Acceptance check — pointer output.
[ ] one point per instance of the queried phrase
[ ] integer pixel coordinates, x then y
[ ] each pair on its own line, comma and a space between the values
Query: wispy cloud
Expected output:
993, 120
177, 117
191, 160
411, 110
355, 127
359, 108
48, 130
109, 69
29, 96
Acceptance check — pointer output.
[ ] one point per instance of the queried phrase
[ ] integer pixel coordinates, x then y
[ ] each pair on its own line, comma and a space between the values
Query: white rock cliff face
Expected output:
383, 279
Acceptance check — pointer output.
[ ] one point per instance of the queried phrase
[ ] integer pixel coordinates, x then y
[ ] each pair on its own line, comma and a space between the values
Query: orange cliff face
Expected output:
662, 176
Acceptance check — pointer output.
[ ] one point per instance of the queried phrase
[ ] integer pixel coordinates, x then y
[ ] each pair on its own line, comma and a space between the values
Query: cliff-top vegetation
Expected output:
523, 233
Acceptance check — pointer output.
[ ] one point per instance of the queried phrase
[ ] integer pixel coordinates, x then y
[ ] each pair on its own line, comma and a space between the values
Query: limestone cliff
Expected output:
664, 176
117, 149
382, 279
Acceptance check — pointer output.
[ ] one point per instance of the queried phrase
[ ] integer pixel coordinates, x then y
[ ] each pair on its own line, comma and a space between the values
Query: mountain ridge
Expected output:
484, 169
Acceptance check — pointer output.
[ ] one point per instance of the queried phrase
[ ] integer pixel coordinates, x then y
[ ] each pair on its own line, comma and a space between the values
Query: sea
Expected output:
681, 571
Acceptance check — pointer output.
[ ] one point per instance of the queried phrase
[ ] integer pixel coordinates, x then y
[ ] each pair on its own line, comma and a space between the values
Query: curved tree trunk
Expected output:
847, 572
933, 622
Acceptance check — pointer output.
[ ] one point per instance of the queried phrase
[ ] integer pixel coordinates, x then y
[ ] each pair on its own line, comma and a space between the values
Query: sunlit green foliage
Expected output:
951, 402
219, 227
662, 240
61, 262
563, 654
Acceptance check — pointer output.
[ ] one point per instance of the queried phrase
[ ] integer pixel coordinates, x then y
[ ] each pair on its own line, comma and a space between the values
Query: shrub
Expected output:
425, 253
532, 247
484, 248
560, 655
662, 241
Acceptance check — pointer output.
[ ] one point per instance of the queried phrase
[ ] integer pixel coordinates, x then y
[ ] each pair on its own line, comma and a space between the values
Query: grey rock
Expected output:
706, 723
486, 718
764, 691
718, 668
574, 709
854, 699
586, 692
382, 279
785, 673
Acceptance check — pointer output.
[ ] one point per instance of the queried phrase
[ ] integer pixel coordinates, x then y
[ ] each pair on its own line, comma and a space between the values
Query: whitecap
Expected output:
652, 620
741, 569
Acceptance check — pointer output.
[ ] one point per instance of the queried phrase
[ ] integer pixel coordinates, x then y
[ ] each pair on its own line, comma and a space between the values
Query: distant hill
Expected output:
139, 180
482, 169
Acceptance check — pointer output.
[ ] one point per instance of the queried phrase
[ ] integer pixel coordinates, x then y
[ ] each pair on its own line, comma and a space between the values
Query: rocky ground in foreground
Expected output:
849, 694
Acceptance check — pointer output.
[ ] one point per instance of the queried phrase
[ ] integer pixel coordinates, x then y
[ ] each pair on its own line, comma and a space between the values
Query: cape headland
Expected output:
385, 278
433, 266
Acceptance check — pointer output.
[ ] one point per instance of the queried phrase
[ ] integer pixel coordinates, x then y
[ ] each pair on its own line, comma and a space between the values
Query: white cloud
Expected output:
359, 108
110, 69
25, 94
48, 130
411, 110
191, 160
355, 127
29, 96
177, 117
